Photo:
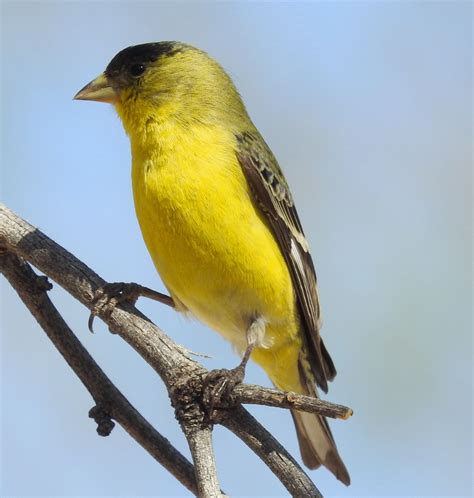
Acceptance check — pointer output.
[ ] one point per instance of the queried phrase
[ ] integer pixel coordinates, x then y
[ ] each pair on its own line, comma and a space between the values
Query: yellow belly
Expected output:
212, 247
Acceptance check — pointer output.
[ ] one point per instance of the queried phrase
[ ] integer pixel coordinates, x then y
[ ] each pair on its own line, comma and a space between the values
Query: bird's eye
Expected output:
137, 70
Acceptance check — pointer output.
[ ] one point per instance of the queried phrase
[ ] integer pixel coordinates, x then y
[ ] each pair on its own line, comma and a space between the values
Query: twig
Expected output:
258, 395
110, 402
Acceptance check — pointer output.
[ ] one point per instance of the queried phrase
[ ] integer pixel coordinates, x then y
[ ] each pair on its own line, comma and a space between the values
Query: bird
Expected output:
219, 220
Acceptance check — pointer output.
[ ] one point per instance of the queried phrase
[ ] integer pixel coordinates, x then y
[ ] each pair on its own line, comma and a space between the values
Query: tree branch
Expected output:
110, 402
258, 395
278, 460
181, 374
200, 444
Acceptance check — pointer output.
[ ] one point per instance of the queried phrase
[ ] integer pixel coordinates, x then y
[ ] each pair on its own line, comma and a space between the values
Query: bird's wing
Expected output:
272, 194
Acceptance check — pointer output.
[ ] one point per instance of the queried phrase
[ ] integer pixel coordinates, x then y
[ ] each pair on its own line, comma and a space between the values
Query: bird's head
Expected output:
156, 82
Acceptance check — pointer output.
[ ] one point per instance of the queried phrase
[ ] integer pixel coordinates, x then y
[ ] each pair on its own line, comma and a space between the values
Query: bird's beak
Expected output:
99, 90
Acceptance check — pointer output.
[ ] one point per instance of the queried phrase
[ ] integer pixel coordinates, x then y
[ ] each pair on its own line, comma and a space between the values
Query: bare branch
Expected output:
260, 441
258, 395
200, 444
110, 402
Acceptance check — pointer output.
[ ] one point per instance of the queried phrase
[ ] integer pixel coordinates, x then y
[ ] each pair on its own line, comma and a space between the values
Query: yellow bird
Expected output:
219, 220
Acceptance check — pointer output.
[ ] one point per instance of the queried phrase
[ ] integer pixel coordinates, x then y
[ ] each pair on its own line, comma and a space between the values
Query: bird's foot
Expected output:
110, 295
218, 387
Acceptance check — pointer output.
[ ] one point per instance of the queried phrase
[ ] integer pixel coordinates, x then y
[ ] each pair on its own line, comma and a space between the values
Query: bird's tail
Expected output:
316, 442
290, 370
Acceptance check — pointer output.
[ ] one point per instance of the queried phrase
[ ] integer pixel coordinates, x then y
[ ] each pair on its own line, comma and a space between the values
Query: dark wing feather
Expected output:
272, 195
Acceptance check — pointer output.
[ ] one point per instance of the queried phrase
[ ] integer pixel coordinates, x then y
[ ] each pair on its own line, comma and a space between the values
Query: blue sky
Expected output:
367, 106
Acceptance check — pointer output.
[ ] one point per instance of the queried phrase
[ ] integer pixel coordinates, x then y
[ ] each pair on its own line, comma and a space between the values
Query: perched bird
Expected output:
219, 220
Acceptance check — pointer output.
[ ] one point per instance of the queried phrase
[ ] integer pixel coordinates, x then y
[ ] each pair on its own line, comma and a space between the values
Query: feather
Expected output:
272, 195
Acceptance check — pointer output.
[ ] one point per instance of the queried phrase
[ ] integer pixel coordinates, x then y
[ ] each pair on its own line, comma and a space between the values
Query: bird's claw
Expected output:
218, 387
107, 297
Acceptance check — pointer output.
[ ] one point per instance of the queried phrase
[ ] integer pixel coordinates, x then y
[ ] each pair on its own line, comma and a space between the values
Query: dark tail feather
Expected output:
328, 363
316, 441
322, 365
317, 445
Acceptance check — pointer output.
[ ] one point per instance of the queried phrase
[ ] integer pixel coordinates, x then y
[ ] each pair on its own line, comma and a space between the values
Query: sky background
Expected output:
368, 108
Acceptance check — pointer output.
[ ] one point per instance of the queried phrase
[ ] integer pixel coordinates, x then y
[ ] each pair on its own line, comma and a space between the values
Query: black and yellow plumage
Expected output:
219, 221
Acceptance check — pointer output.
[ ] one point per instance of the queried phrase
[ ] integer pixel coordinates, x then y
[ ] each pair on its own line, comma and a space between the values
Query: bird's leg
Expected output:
110, 295
219, 383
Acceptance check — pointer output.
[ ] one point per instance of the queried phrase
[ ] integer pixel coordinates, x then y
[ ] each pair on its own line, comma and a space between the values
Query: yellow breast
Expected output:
212, 247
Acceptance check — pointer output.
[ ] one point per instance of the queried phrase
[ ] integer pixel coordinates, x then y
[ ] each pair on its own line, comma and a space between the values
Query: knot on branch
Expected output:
186, 396
42, 284
34, 286
104, 422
